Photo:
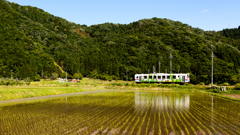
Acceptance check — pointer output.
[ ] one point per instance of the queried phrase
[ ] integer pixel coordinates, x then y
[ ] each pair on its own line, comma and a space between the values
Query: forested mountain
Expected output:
33, 40
232, 33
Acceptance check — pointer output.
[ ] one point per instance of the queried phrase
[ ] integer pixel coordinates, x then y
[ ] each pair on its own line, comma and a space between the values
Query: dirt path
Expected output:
51, 96
233, 95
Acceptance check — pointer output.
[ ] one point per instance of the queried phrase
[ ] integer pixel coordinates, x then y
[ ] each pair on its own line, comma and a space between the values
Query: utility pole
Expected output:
11, 74
78, 74
42, 73
165, 70
212, 68
154, 69
148, 71
171, 57
126, 75
66, 76
159, 66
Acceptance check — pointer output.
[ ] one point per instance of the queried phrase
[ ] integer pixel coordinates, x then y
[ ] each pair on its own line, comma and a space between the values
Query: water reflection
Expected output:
160, 102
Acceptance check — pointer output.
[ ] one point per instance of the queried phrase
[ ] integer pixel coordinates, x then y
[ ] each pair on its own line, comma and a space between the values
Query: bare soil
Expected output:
233, 95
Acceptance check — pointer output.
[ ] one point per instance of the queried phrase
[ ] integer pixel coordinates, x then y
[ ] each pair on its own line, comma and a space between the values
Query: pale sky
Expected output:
204, 14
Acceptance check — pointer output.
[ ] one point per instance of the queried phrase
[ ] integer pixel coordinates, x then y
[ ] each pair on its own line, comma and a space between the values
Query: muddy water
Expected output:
122, 112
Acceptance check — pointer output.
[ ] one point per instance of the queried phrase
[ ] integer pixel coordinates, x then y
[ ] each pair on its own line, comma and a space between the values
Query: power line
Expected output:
159, 63
170, 57
212, 68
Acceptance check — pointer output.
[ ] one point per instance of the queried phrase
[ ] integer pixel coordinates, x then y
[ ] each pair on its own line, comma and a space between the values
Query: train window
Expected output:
159, 77
137, 77
163, 77
168, 77
174, 77
145, 77
154, 77
150, 77
187, 76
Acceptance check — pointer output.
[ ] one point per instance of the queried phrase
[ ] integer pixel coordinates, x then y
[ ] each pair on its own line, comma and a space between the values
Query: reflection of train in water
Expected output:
160, 103
162, 78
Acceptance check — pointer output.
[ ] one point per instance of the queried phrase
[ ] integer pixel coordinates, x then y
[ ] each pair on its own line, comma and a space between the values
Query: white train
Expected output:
162, 78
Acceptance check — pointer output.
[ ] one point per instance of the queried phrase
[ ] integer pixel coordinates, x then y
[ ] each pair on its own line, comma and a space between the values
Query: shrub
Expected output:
109, 78
76, 75
216, 90
69, 76
1, 81
229, 88
54, 76
134, 84
37, 77
225, 84
202, 83
237, 87
27, 81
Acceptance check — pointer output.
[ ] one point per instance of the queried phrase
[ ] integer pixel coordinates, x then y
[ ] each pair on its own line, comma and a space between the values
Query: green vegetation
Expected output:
13, 82
10, 90
124, 112
32, 41
232, 33
26, 92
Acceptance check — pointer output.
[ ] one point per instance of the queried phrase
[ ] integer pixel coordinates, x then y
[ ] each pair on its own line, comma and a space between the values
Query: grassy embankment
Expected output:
46, 87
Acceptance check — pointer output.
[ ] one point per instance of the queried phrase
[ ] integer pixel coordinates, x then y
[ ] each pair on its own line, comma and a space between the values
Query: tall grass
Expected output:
12, 82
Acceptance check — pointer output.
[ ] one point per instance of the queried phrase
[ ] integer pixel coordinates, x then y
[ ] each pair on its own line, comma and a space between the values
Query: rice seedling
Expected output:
123, 113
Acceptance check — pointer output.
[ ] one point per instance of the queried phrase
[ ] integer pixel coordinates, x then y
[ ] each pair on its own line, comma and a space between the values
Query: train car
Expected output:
162, 78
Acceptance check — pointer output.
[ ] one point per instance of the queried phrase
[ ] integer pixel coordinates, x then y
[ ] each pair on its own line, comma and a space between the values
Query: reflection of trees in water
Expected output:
161, 102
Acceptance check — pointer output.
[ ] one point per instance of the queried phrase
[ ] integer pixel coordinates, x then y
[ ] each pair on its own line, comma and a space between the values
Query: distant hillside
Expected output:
37, 40
33, 40
231, 33
139, 45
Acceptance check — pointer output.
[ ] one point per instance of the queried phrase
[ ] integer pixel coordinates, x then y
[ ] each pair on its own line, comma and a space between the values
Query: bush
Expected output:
216, 90
69, 76
37, 77
225, 84
93, 74
229, 88
27, 81
75, 76
20, 82
1, 81
134, 84
237, 87
54, 76
109, 78
202, 83
11, 82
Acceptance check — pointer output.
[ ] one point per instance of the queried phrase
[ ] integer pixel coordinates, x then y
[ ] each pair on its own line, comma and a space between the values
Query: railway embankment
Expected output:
55, 87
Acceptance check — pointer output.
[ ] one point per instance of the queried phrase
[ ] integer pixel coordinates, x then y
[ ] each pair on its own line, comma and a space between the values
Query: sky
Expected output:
204, 14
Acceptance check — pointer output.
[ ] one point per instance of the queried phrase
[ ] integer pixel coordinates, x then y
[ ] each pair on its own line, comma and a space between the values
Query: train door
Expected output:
140, 79
183, 78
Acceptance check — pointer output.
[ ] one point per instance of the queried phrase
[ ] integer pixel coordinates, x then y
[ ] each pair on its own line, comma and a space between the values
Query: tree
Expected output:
76, 75
93, 74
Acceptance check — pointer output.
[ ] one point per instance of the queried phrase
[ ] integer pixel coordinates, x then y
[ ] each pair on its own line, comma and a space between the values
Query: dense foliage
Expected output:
33, 41
232, 33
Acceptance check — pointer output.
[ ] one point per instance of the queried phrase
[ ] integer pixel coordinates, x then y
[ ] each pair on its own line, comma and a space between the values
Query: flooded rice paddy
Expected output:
123, 112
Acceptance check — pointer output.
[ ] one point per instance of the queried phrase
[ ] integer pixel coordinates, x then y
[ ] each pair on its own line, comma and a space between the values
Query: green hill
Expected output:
32, 40
231, 33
